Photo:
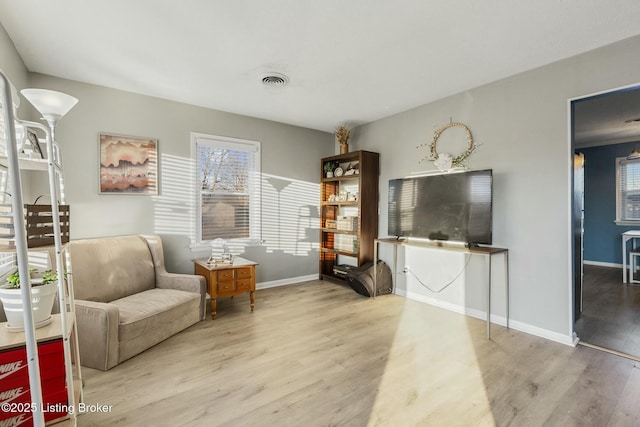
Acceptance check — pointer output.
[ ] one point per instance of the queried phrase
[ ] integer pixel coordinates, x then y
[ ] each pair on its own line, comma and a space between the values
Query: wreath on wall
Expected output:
444, 161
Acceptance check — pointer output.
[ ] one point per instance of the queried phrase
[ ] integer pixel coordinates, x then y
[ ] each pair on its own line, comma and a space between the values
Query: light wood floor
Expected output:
318, 354
611, 311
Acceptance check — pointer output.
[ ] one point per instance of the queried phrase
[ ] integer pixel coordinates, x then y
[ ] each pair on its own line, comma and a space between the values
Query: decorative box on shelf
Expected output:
346, 243
347, 223
331, 223
39, 223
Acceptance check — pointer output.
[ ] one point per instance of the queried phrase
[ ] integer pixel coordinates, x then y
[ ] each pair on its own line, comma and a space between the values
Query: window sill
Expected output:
635, 223
203, 246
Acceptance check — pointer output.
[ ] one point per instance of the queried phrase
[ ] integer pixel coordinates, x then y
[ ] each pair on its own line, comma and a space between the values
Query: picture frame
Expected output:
128, 165
35, 145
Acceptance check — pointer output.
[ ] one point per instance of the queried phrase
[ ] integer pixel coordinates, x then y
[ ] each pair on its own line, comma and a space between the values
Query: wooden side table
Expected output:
228, 280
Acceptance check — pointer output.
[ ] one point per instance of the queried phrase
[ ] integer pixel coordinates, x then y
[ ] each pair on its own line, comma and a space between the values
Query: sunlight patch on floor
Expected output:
450, 391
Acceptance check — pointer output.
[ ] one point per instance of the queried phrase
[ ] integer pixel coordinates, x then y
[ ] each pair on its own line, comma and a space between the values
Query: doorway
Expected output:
603, 131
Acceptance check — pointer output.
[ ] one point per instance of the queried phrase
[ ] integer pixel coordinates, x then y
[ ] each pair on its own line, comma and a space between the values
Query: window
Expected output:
227, 188
628, 190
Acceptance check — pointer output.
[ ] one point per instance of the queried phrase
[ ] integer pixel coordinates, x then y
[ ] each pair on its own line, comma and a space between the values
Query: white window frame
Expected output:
255, 196
619, 213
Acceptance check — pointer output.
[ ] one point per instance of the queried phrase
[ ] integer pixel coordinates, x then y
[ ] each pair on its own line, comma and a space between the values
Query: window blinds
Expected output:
226, 183
629, 188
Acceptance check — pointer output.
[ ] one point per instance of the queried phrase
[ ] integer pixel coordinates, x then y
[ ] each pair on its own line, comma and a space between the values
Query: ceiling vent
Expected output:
275, 79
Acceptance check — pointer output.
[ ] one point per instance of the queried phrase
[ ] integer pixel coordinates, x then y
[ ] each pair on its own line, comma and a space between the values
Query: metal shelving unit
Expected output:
63, 326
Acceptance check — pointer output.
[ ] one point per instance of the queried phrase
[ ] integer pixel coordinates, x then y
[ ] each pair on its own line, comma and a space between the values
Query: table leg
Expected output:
252, 298
214, 305
624, 259
395, 268
506, 283
375, 268
488, 257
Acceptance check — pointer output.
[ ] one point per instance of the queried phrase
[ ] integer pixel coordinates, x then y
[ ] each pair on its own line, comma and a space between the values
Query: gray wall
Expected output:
522, 123
11, 64
290, 159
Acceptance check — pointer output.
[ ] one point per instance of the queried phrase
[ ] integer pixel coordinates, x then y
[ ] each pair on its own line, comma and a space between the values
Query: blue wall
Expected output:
602, 240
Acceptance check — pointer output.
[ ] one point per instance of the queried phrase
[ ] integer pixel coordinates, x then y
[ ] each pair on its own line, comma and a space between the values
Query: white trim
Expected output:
627, 222
576, 339
602, 264
499, 320
284, 282
249, 145
604, 92
569, 197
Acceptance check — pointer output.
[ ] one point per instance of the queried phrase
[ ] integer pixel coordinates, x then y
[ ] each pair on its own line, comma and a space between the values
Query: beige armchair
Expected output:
126, 301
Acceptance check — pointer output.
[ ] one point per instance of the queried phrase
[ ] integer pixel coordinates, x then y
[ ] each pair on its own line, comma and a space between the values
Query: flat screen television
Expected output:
451, 206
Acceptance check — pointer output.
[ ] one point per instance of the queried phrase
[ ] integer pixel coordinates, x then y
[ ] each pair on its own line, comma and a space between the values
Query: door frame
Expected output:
571, 148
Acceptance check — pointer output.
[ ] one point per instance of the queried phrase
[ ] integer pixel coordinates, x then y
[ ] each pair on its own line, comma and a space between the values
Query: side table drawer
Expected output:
244, 285
228, 287
243, 273
225, 275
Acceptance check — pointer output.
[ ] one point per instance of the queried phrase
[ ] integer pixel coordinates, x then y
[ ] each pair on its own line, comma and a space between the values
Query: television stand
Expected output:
486, 251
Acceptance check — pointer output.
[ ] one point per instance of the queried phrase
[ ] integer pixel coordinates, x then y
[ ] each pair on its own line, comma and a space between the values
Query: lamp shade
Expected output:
51, 104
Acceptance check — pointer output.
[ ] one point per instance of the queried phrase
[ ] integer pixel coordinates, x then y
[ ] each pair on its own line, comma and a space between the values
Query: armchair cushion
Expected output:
111, 268
141, 313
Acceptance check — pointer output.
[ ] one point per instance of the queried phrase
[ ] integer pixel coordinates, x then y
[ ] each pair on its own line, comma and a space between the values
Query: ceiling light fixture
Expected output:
635, 154
275, 79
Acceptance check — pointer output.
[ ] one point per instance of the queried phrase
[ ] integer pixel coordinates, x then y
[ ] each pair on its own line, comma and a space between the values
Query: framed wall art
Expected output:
35, 145
128, 164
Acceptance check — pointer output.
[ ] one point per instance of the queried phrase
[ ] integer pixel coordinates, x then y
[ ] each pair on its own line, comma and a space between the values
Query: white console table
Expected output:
486, 251
626, 236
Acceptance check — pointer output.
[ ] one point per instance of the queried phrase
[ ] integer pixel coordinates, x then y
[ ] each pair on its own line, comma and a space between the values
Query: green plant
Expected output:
48, 276
14, 278
329, 167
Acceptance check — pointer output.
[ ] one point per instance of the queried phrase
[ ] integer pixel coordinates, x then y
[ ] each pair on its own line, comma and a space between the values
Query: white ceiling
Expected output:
354, 60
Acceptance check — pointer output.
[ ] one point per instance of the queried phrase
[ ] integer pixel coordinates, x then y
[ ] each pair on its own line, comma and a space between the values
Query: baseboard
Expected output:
602, 264
543, 333
499, 320
284, 282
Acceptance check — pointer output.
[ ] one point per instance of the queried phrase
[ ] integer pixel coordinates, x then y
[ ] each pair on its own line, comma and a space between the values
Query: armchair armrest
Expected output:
97, 325
184, 282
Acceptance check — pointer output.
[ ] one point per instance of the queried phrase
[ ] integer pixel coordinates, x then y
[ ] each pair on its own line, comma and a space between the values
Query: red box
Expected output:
53, 409
14, 383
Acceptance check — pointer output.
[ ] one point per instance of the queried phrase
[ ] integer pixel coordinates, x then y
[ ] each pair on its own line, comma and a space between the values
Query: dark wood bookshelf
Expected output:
360, 238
